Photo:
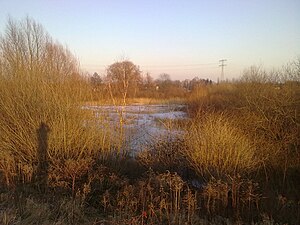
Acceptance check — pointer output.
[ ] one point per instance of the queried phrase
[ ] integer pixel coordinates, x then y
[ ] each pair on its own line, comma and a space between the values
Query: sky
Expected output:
184, 38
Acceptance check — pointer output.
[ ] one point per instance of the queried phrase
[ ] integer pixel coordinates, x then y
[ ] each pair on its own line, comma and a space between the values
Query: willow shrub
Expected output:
40, 83
216, 148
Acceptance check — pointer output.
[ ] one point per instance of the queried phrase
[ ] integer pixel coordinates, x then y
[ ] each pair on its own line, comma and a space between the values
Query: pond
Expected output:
143, 124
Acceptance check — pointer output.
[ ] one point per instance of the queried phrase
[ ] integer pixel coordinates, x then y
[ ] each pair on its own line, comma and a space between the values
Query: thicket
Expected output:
250, 129
42, 126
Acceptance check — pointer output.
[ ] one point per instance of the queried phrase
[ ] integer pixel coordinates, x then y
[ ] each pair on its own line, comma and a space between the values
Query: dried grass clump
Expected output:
163, 155
232, 196
216, 147
19, 208
156, 199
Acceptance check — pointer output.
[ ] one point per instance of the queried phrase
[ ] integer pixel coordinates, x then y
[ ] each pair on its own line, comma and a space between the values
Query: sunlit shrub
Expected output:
264, 107
217, 148
40, 84
214, 98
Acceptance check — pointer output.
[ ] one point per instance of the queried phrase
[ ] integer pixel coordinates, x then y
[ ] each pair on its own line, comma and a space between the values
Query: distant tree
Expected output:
186, 84
148, 80
197, 82
148, 87
163, 81
168, 88
97, 87
164, 77
96, 80
123, 79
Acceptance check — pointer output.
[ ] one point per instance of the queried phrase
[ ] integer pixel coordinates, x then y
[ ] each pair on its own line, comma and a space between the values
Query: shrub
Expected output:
163, 155
216, 147
214, 98
270, 118
264, 107
40, 84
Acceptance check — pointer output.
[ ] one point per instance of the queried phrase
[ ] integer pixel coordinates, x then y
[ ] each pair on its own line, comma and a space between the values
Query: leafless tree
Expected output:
123, 79
28, 51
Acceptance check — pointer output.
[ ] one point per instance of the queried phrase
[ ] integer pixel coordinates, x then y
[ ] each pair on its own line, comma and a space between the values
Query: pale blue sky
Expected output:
182, 38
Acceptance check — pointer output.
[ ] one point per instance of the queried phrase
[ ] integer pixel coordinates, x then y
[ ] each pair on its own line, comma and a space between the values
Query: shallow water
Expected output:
143, 124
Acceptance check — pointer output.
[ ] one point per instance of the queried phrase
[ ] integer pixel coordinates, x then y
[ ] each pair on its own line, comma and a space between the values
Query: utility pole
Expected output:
221, 61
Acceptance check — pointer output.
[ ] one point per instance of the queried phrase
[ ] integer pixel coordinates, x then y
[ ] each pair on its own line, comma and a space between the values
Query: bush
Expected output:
214, 98
163, 155
40, 84
216, 147
264, 107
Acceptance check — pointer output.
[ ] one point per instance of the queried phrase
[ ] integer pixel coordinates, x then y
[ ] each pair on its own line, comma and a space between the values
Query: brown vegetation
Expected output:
250, 128
238, 161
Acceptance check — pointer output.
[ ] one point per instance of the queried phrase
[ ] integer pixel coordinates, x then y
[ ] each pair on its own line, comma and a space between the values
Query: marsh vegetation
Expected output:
231, 157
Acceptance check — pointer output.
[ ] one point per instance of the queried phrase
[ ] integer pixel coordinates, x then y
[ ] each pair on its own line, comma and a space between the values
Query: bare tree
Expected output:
164, 77
22, 47
123, 79
28, 51
148, 80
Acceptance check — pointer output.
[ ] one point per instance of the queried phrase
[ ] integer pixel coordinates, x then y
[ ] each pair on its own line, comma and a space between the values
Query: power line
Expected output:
181, 65
222, 65
159, 66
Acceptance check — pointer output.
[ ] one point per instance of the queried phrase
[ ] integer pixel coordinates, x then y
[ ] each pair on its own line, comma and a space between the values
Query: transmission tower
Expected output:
222, 65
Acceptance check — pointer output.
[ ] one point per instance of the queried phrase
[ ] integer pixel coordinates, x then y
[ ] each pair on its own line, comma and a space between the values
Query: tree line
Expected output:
124, 80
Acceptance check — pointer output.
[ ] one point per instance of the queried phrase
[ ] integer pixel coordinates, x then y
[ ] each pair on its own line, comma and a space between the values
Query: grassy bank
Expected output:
142, 101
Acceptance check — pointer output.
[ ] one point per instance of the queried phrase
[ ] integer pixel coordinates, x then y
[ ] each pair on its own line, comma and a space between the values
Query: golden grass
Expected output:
142, 101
